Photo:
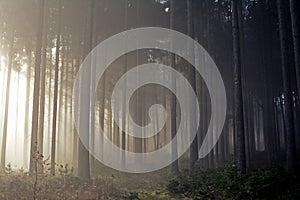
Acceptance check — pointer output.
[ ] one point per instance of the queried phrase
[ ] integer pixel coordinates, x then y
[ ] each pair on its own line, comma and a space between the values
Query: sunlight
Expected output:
16, 113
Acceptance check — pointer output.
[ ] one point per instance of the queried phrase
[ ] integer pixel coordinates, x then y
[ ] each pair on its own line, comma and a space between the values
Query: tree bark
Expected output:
42, 89
294, 10
36, 91
286, 69
83, 153
174, 165
238, 93
123, 113
53, 139
192, 79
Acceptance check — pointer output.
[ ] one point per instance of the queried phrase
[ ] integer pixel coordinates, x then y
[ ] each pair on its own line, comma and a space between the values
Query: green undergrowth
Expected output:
219, 183
224, 183
17, 184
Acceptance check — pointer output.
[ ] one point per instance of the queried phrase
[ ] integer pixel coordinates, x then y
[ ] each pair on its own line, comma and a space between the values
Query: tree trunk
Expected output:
75, 134
174, 165
238, 93
60, 109
42, 89
192, 79
123, 113
26, 128
48, 148
53, 139
4, 134
36, 91
83, 153
65, 140
285, 67
294, 10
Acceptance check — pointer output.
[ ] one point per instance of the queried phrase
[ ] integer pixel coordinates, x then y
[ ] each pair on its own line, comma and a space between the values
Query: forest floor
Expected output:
17, 184
219, 183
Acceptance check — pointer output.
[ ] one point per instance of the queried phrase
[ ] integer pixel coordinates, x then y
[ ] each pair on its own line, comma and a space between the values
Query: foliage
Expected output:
224, 183
148, 195
17, 184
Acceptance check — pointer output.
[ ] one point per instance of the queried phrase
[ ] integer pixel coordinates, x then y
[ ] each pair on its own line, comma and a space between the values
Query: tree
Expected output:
4, 134
123, 112
174, 166
192, 79
42, 86
294, 10
84, 121
286, 70
53, 140
36, 91
238, 93
26, 128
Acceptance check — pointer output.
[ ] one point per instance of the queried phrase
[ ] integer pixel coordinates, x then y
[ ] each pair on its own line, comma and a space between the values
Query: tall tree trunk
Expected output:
26, 128
64, 157
17, 114
7, 100
83, 153
36, 91
49, 105
60, 108
282, 6
53, 139
42, 87
123, 113
238, 93
192, 79
174, 165
294, 10
75, 134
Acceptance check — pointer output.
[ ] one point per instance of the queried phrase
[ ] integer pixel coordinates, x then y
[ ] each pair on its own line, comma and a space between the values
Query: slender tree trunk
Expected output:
53, 139
49, 105
285, 67
7, 99
60, 110
174, 165
75, 134
64, 157
192, 79
26, 128
83, 153
102, 114
123, 136
36, 91
295, 19
238, 93
42, 89
17, 114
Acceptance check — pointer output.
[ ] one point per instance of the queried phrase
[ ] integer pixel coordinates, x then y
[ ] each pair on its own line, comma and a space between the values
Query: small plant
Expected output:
8, 169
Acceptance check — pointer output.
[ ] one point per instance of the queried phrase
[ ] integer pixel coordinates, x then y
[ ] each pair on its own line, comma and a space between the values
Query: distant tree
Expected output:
7, 100
28, 81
